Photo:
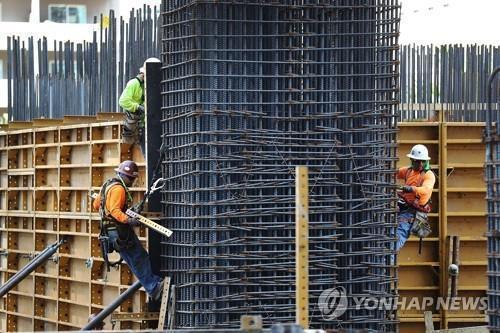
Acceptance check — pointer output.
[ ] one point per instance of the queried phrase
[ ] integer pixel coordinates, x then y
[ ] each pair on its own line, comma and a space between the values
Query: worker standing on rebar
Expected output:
416, 193
132, 101
112, 202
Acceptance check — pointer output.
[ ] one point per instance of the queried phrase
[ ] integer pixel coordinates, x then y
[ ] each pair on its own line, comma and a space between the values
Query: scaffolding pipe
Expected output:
30, 267
110, 308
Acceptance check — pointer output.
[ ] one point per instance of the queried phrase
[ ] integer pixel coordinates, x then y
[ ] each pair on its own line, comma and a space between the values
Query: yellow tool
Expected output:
147, 222
150, 224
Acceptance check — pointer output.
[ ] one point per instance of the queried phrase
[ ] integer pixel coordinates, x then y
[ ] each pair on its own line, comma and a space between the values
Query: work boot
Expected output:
152, 306
158, 291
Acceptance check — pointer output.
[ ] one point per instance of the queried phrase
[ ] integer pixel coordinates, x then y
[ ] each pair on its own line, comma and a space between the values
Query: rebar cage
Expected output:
250, 90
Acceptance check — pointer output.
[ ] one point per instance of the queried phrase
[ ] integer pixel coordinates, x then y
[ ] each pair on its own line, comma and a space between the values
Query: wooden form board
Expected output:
46, 174
459, 209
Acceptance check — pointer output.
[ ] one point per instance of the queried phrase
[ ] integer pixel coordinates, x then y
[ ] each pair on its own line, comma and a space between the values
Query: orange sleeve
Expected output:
97, 202
401, 173
115, 201
424, 192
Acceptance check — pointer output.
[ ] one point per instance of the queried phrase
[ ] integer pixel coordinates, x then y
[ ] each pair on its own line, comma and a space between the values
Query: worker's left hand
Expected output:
407, 189
133, 222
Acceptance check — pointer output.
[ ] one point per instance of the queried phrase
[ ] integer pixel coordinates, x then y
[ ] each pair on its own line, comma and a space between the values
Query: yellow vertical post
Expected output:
443, 207
302, 246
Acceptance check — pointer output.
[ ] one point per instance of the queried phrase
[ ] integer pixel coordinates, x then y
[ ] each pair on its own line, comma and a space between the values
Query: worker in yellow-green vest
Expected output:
132, 101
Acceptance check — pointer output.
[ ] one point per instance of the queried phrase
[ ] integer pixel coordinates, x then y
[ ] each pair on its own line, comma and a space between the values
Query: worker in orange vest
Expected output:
112, 202
416, 193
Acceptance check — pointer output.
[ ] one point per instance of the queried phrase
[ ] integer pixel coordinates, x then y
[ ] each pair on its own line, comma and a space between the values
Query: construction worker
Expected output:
416, 193
132, 101
112, 202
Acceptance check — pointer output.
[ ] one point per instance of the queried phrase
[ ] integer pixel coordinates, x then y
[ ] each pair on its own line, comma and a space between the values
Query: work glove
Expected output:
133, 222
140, 109
407, 189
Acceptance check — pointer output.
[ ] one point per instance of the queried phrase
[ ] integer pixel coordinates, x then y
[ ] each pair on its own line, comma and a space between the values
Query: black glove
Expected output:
407, 189
140, 109
133, 222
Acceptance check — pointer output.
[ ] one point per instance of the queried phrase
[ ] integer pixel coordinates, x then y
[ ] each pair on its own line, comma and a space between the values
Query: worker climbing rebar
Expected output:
132, 101
414, 200
117, 228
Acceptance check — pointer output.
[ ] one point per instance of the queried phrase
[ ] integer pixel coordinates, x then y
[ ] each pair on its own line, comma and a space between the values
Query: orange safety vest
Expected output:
410, 198
103, 210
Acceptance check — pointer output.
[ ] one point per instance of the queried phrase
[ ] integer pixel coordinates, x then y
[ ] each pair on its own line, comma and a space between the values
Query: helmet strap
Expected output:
129, 196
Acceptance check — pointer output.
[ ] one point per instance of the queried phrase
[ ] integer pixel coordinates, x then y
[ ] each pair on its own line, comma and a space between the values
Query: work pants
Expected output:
136, 257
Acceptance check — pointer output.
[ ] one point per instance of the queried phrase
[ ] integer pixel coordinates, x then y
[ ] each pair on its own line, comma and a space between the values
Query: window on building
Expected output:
1, 69
68, 13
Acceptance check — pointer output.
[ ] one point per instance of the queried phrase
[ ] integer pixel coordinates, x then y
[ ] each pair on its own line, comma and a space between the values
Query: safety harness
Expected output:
420, 226
109, 224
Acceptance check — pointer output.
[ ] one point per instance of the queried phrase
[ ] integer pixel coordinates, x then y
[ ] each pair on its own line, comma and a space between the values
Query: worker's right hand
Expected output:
133, 222
140, 109
407, 189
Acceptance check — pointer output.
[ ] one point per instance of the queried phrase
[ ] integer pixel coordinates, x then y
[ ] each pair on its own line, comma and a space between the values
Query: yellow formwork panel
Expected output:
459, 208
414, 326
46, 175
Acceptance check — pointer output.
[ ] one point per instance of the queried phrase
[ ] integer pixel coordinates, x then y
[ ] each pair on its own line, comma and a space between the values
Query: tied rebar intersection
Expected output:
250, 90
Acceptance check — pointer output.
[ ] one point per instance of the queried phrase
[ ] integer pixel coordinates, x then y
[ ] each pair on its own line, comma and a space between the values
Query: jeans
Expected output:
405, 221
137, 260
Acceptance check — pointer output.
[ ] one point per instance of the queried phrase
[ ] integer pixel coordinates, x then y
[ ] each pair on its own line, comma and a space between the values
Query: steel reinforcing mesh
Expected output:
250, 90
492, 176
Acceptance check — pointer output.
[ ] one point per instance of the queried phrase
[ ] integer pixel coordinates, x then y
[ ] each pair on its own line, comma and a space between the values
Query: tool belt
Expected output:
421, 227
114, 237
420, 222
121, 235
133, 126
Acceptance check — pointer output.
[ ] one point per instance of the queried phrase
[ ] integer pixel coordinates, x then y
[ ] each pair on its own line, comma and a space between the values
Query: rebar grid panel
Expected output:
492, 175
250, 90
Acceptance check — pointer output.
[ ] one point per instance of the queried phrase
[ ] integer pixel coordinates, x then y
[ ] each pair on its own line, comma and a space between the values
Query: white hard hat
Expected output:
143, 68
419, 152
